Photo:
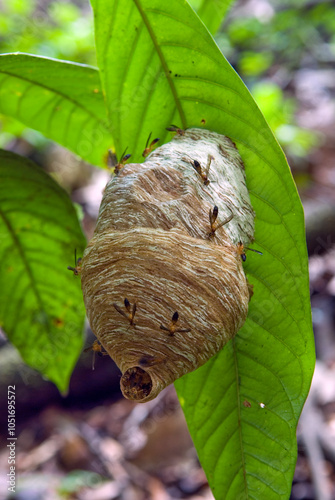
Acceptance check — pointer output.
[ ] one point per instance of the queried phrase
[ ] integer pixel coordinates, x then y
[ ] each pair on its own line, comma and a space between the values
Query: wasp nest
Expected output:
162, 278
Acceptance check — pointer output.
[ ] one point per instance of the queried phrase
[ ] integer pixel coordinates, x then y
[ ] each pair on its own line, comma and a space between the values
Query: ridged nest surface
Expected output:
163, 281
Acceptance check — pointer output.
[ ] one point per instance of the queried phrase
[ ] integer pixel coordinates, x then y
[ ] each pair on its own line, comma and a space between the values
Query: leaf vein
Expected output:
53, 91
163, 62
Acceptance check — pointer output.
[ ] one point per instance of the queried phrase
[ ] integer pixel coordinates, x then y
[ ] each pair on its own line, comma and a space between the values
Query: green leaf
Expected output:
159, 65
211, 12
41, 304
62, 100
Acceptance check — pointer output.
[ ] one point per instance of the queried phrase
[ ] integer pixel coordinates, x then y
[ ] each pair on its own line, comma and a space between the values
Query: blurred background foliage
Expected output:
62, 30
267, 42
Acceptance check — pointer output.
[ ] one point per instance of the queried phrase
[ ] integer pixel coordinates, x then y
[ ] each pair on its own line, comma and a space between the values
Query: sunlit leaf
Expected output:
159, 65
62, 100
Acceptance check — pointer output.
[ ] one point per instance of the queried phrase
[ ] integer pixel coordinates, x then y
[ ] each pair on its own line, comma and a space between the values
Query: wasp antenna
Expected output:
194, 163
124, 157
132, 315
119, 310
146, 144
162, 327
224, 222
253, 250
123, 154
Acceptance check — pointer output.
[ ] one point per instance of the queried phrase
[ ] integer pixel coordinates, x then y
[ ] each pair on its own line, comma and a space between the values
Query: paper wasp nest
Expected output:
162, 279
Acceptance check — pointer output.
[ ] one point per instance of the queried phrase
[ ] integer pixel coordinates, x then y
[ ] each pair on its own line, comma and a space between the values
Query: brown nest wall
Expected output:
163, 285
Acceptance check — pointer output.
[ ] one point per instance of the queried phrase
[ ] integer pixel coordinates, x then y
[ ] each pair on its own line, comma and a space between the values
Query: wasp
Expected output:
174, 128
119, 165
149, 147
172, 328
131, 311
203, 173
77, 264
97, 348
213, 215
148, 360
241, 251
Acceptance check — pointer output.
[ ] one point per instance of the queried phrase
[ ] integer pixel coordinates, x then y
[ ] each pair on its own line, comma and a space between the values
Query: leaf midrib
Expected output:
25, 264
163, 63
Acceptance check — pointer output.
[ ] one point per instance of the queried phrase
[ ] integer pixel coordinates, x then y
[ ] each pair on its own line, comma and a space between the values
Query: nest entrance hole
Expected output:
136, 383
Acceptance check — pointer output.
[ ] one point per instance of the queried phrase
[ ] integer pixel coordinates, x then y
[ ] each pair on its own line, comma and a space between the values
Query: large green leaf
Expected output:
62, 100
211, 12
159, 65
41, 305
